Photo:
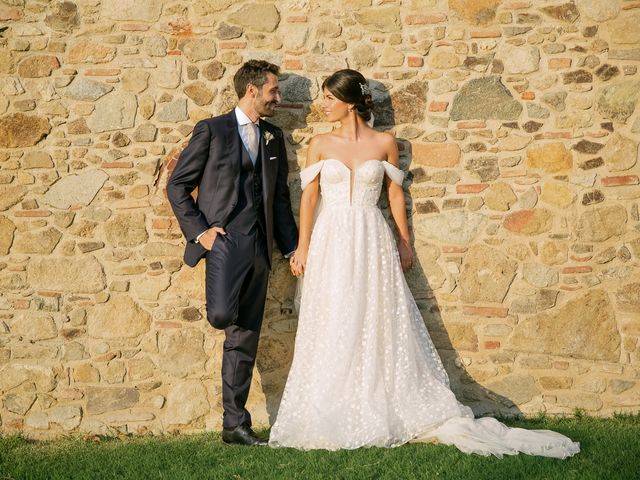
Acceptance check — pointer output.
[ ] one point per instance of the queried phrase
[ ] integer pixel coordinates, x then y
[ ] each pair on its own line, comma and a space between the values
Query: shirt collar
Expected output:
243, 119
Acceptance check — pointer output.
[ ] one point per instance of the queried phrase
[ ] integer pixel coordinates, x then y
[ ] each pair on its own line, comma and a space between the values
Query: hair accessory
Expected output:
365, 89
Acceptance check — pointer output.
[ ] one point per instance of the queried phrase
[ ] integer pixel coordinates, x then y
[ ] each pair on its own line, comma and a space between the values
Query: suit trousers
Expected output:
237, 272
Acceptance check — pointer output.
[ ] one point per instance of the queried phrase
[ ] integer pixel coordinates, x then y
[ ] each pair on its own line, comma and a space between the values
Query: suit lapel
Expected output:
269, 166
233, 142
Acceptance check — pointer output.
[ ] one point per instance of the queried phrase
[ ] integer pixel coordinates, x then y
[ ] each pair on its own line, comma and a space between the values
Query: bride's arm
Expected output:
398, 208
308, 203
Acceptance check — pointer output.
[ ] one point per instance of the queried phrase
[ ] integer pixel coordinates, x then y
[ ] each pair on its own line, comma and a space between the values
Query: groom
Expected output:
238, 163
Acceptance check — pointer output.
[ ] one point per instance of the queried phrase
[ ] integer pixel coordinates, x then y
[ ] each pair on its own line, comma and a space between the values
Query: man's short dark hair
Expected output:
253, 72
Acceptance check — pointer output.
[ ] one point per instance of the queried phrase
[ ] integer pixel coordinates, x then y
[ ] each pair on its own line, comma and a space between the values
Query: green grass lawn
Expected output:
610, 450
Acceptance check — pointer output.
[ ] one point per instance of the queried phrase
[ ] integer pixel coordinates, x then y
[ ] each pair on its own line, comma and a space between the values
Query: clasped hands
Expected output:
298, 262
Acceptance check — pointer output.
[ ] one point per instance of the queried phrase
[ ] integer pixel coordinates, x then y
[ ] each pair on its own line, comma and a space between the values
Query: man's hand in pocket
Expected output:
209, 237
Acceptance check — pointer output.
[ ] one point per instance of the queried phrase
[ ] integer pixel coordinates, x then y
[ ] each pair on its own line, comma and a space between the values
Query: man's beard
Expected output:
267, 109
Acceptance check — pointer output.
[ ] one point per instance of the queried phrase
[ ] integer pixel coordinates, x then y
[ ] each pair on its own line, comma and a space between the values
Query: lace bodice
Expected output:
342, 186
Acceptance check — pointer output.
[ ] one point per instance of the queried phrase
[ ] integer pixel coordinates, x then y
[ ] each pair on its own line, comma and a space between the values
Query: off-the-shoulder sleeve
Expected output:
308, 174
394, 173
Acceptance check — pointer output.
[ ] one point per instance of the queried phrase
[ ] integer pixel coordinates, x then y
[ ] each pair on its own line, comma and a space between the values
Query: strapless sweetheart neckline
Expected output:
354, 168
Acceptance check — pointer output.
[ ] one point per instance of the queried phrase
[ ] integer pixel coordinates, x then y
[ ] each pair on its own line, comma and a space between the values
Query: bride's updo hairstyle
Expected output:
350, 86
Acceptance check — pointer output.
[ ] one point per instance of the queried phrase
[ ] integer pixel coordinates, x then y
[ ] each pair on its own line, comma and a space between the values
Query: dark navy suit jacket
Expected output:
211, 162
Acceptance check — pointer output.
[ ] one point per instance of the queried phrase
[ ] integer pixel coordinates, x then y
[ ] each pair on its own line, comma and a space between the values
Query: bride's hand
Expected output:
406, 254
298, 262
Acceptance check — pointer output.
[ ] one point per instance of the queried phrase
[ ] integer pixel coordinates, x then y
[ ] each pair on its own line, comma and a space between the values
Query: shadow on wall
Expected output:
280, 323
275, 352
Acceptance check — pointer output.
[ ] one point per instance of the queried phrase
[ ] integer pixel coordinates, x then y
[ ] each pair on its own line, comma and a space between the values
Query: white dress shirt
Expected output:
243, 121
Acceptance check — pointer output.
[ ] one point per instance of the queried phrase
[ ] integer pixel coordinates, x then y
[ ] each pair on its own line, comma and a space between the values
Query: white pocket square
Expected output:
272, 158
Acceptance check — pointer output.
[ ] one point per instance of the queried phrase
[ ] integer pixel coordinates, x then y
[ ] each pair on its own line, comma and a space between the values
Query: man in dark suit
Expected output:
238, 162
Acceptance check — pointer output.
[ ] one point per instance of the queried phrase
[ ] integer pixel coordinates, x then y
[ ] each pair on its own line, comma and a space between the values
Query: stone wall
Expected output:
518, 128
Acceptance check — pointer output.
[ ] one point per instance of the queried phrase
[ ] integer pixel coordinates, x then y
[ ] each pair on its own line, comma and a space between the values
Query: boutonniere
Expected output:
268, 136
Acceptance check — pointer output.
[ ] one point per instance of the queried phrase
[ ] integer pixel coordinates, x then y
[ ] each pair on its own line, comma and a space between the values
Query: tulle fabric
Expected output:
365, 371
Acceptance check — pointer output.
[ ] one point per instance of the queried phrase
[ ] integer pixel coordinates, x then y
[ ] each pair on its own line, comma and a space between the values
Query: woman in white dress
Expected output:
365, 371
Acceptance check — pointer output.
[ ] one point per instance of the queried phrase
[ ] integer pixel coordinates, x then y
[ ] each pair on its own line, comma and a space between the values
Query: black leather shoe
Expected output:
241, 435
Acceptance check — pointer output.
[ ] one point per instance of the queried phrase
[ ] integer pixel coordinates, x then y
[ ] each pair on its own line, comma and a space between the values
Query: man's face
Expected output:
267, 97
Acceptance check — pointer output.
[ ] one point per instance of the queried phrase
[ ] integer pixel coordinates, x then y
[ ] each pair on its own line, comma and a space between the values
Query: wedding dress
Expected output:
365, 371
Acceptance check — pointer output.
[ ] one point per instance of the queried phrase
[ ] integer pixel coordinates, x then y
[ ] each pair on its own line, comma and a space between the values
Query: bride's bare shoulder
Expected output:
316, 147
385, 138
322, 139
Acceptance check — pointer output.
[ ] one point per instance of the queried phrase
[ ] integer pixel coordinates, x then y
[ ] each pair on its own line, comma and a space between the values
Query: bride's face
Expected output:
334, 108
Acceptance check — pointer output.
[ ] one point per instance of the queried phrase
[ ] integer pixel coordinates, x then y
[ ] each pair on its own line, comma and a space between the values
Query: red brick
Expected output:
21, 303
415, 61
518, 220
552, 135
621, 180
168, 324
485, 311
438, 106
134, 27
161, 223
174, 53
471, 124
471, 187
570, 288
233, 45
101, 72
293, 64
107, 357
116, 165
486, 34
425, 19
32, 213
558, 63
528, 96
491, 345
436, 154
297, 19
580, 269
15, 424
453, 249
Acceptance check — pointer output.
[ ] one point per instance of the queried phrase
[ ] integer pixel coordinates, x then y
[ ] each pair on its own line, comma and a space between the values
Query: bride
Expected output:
365, 371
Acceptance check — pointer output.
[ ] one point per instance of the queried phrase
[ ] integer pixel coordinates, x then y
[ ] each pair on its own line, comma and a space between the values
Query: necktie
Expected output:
251, 130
